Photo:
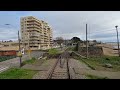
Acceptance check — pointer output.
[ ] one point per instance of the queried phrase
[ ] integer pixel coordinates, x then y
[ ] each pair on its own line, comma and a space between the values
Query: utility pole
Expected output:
19, 49
86, 43
28, 40
29, 51
117, 41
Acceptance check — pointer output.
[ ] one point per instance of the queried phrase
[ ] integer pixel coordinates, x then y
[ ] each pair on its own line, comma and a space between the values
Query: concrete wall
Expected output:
98, 49
92, 51
107, 51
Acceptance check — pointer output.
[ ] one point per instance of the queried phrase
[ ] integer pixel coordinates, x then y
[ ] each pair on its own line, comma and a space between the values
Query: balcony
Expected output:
45, 33
30, 26
33, 29
37, 23
30, 20
38, 27
45, 36
34, 44
46, 41
34, 34
41, 35
33, 23
41, 38
34, 38
44, 28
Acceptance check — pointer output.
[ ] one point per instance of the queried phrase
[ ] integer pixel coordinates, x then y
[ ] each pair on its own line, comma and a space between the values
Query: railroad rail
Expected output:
60, 70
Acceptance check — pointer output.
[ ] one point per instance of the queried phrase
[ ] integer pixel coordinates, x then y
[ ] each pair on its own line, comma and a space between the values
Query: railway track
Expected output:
60, 69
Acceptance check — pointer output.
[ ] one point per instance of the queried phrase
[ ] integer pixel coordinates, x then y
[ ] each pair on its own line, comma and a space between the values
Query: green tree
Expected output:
59, 40
76, 40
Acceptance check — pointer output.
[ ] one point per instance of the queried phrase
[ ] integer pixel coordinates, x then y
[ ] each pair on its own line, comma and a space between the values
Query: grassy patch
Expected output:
98, 63
31, 61
70, 49
4, 58
53, 51
16, 73
95, 77
84, 61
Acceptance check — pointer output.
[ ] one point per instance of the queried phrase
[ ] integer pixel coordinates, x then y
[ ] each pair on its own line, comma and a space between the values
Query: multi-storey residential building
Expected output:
35, 34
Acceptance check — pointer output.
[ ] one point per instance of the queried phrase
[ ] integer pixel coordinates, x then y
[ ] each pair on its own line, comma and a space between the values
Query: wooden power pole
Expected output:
86, 43
19, 49
29, 51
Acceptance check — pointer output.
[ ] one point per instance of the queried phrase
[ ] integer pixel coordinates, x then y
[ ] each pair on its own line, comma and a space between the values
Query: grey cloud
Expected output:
72, 23
8, 34
103, 35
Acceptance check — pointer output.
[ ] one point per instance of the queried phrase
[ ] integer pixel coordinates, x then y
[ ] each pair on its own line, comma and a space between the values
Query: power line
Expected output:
94, 32
100, 33
103, 30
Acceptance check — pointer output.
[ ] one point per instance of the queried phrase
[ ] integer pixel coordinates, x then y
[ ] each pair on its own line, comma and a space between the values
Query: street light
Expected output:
7, 24
19, 46
117, 41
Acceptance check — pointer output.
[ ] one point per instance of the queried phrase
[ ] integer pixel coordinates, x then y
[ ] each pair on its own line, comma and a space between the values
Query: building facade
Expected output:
35, 34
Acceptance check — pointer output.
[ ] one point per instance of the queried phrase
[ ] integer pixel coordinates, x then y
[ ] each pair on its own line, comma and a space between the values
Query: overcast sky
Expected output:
67, 24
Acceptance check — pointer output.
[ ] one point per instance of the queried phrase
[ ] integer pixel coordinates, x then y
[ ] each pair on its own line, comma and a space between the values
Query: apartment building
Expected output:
35, 34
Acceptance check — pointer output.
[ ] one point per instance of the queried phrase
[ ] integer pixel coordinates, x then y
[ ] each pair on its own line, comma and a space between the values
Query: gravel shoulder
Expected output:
80, 70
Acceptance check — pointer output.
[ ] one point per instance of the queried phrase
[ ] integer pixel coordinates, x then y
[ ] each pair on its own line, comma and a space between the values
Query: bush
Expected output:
4, 58
53, 51
31, 61
71, 48
107, 59
76, 47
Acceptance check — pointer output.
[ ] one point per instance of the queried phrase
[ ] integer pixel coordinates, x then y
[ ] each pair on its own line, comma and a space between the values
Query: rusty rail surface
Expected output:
53, 68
